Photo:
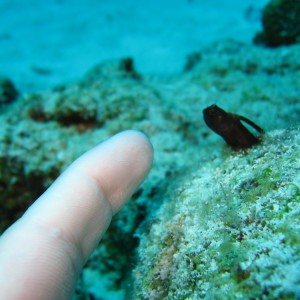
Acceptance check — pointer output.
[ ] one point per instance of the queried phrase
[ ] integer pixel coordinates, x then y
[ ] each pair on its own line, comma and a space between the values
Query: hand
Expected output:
42, 254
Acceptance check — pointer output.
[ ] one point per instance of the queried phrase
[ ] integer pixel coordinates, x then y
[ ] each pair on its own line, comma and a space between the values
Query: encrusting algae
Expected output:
229, 230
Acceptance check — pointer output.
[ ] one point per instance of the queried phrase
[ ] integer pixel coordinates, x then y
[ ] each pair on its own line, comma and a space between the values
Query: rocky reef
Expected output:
8, 92
207, 220
281, 23
230, 230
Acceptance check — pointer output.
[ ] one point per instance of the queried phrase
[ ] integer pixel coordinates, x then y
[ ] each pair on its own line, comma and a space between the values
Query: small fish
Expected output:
230, 127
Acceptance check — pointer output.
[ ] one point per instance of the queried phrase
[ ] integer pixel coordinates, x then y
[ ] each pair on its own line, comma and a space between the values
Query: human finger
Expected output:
42, 253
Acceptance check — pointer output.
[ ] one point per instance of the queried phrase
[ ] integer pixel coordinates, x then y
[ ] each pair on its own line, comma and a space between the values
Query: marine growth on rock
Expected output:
281, 23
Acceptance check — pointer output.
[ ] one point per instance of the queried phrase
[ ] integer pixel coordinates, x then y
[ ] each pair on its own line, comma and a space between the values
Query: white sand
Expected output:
45, 44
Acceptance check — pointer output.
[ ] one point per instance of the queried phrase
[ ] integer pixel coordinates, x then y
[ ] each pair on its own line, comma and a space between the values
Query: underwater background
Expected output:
210, 221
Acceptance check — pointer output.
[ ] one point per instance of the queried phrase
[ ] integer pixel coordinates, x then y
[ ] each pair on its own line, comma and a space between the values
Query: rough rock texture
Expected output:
40, 134
229, 230
281, 23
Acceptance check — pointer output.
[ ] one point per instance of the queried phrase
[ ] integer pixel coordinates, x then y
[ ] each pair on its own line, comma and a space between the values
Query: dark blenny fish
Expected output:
230, 127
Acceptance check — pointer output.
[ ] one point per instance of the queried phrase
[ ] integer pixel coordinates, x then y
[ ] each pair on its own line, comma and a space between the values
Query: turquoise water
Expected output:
46, 44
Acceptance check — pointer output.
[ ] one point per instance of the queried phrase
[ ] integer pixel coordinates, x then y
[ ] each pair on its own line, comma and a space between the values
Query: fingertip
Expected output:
145, 148
126, 158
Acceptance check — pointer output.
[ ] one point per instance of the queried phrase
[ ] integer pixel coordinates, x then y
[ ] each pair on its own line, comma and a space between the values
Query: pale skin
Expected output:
42, 254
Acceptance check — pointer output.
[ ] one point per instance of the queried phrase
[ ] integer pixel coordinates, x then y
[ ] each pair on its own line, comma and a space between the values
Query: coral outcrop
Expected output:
230, 230
281, 23
8, 92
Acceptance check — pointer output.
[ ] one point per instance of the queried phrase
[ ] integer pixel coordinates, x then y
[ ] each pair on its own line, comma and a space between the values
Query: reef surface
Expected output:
208, 220
230, 230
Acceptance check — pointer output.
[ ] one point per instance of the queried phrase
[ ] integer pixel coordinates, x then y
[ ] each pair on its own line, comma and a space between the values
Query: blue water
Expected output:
45, 43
